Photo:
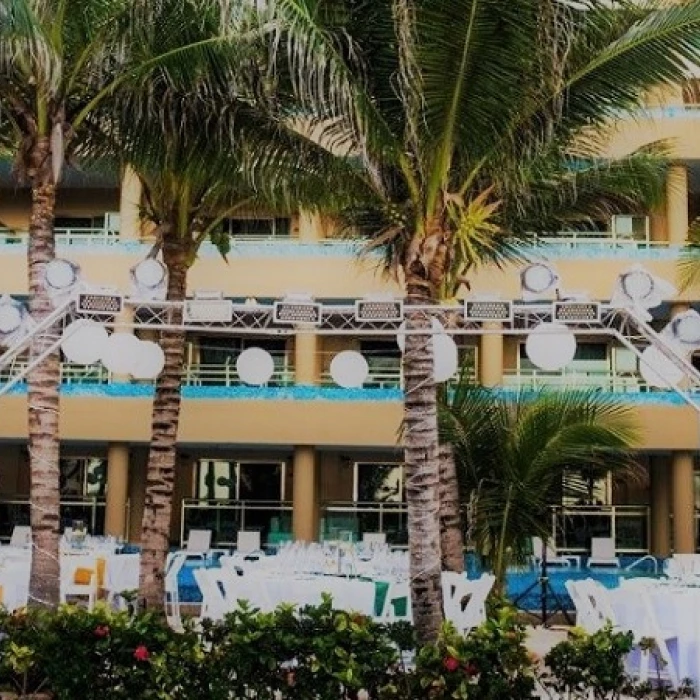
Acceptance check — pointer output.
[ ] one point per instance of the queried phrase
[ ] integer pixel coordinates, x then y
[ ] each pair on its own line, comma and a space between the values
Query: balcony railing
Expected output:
65, 236
618, 382
573, 239
227, 375
572, 526
226, 518
15, 511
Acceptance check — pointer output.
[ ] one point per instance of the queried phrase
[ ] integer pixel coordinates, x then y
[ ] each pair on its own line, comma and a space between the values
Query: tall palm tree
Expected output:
205, 144
61, 61
513, 451
460, 114
53, 56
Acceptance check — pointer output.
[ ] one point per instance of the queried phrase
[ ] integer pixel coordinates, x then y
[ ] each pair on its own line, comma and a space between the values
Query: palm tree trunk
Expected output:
451, 536
43, 386
160, 475
422, 469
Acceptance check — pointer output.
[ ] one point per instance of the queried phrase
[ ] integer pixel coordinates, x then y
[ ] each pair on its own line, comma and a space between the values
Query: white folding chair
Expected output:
603, 552
374, 539
248, 541
554, 558
21, 536
214, 603
79, 579
465, 601
398, 591
648, 627
173, 565
198, 543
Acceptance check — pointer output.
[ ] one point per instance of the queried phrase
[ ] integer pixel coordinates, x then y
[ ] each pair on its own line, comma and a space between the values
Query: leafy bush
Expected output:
594, 664
317, 653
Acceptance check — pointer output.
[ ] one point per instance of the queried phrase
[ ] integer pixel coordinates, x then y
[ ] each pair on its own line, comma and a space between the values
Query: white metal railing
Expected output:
66, 236
70, 373
15, 511
573, 527
597, 238
618, 382
225, 518
227, 375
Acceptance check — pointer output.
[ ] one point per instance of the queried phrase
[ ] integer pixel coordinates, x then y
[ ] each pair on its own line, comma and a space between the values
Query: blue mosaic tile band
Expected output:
308, 393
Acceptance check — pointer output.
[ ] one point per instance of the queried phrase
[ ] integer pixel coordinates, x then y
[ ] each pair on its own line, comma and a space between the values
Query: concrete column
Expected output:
305, 494
137, 494
491, 356
117, 489
130, 206
306, 359
660, 500
683, 503
677, 204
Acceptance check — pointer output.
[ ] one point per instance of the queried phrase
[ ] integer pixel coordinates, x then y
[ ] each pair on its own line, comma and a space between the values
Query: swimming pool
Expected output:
518, 581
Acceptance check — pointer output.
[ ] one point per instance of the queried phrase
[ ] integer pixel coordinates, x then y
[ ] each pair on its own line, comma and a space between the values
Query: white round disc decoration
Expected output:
657, 370
551, 346
255, 366
121, 352
10, 318
637, 285
149, 362
149, 273
686, 328
401, 332
349, 369
538, 278
61, 274
445, 357
84, 342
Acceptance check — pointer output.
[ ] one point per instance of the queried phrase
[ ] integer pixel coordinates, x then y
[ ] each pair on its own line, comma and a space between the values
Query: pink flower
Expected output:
102, 631
141, 653
449, 663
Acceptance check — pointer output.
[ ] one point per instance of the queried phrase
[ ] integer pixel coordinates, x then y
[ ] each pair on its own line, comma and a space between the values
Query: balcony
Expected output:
607, 380
103, 236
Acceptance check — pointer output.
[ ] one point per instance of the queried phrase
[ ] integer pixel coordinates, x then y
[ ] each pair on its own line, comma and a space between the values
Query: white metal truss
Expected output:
626, 326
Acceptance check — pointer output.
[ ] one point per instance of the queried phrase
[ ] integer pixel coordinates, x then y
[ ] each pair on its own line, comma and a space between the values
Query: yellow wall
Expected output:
323, 423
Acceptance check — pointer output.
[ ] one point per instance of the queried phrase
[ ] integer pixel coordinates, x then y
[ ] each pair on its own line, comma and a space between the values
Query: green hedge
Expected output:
317, 653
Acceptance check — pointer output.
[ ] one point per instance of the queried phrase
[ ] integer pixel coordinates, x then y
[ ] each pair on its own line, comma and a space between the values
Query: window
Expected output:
589, 358
79, 222
257, 228
83, 477
586, 488
383, 482
240, 481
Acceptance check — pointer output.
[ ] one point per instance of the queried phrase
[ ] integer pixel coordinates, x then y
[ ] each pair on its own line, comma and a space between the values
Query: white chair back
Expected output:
603, 548
21, 536
374, 539
248, 541
198, 541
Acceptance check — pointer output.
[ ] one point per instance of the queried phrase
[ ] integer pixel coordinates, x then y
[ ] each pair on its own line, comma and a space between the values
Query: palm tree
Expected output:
513, 451
205, 145
476, 122
61, 61
53, 56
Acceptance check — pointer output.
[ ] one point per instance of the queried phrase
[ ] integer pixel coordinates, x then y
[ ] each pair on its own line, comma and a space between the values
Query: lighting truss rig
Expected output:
474, 317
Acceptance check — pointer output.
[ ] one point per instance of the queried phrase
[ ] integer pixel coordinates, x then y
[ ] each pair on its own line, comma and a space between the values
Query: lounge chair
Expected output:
554, 558
603, 552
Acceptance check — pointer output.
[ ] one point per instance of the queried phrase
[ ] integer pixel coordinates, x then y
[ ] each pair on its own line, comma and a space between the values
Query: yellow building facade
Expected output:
301, 457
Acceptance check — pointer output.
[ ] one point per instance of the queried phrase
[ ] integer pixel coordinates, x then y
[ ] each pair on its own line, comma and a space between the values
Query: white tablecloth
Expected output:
678, 611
